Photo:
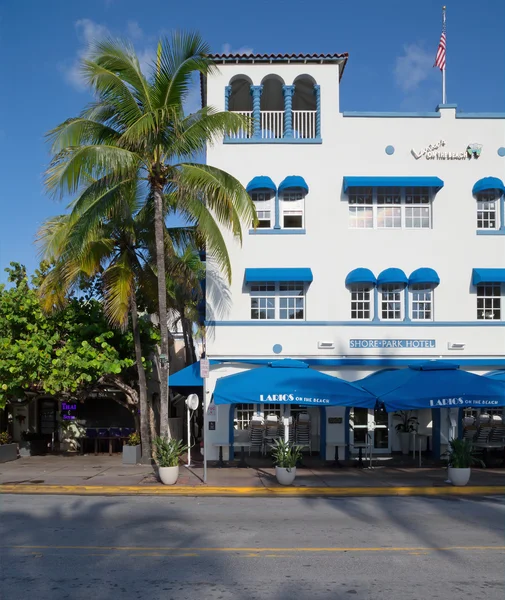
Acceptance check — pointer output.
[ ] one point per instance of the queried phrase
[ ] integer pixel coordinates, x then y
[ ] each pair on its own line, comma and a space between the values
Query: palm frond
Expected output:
119, 285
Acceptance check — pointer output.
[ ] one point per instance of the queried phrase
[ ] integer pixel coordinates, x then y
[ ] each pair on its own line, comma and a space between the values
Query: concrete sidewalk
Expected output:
105, 474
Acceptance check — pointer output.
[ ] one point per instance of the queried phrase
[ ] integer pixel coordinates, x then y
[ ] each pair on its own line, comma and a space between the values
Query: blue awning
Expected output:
488, 184
488, 276
294, 182
497, 375
433, 384
431, 182
424, 275
290, 382
392, 275
360, 276
261, 183
187, 377
298, 274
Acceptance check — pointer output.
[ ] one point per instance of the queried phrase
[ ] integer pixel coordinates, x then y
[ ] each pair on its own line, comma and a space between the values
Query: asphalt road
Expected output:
59, 547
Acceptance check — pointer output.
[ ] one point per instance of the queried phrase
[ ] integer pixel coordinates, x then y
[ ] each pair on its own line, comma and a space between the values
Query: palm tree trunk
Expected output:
159, 231
143, 405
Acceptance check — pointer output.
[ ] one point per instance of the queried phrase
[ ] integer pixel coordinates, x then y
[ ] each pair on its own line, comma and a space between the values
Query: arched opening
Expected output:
304, 107
272, 107
240, 95
240, 101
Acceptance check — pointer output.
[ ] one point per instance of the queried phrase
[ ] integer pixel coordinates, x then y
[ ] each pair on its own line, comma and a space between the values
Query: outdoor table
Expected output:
490, 446
220, 463
242, 446
336, 461
360, 454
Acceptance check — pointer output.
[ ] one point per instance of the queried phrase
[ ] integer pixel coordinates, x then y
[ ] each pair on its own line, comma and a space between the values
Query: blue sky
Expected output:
392, 46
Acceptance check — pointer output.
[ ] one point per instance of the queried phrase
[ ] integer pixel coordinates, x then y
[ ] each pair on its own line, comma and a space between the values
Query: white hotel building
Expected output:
381, 242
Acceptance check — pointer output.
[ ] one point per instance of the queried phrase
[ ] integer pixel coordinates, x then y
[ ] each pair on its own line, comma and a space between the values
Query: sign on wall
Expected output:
68, 411
381, 343
436, 151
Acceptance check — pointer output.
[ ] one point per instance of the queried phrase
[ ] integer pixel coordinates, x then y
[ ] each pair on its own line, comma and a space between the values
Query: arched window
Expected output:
304, 107
272, 107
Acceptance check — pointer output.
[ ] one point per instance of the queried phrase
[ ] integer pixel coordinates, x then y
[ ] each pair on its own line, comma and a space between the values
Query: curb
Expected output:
256, 492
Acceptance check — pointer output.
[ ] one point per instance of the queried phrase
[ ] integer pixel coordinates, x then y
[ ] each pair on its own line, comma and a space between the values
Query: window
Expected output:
489, 302
391, 302
292, 209
361, 302
243, 414
291, 301
282, 301
422, 302
361, 208
263, 202
487, 209
263, 301
417, 208
389, 208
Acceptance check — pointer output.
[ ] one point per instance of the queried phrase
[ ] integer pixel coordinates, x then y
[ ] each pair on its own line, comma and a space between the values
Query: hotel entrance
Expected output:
370, 426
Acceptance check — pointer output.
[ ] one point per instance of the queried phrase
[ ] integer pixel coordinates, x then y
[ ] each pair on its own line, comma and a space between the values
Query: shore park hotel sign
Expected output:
437, 151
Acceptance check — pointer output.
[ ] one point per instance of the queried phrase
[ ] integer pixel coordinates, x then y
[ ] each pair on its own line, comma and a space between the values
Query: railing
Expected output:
245, 132
304, 124
272, 124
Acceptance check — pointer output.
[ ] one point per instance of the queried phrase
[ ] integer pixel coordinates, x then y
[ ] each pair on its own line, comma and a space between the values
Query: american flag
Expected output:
440, 60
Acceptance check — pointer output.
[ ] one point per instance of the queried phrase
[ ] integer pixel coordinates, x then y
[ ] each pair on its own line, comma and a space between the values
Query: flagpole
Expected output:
444, 99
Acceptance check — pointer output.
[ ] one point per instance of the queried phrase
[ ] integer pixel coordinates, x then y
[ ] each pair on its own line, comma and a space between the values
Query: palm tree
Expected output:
119, 249
136, 132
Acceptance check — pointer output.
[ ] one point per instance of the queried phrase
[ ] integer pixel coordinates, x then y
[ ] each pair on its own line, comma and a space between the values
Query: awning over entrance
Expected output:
289, 382
433, 384
431, 182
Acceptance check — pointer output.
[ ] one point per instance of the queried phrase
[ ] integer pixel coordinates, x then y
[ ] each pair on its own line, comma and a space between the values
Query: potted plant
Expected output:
408, 424
8, 451
461, 456
167, 456
286, 457
71, 433
132, 452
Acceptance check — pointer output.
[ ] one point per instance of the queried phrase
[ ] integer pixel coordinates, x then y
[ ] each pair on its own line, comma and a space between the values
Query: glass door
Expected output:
370, 425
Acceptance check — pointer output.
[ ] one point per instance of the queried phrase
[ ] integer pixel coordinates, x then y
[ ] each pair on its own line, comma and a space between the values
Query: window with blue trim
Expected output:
283, 301
390, 207
264, 202
489, 301
488, 207
361, 302
292, 209
421, 298
391, 301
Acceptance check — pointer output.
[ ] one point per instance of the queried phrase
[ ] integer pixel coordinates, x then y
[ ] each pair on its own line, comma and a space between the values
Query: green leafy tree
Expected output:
69, 353
136, 133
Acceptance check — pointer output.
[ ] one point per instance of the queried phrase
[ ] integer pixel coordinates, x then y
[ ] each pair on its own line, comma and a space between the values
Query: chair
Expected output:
256, 431
271, 431
302, 432
497, 433
482, 435
469, 433
125, 431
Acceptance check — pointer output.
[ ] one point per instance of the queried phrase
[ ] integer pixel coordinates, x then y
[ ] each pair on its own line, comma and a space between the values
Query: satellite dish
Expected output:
192, 402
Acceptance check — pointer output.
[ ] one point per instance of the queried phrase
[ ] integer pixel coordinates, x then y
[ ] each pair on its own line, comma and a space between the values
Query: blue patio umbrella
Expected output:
289, 381
497, 375
433, 384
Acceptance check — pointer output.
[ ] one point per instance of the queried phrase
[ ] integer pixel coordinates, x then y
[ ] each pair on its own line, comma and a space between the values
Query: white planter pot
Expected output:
285, 476
405, 442
459, 476
168, 475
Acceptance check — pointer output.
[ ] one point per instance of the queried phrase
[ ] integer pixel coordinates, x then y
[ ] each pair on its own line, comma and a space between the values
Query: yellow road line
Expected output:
105, 490
143, 549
